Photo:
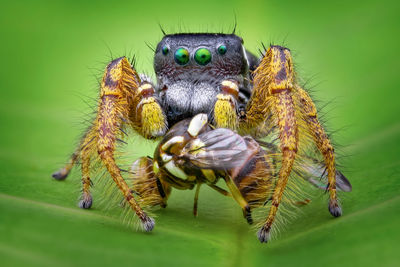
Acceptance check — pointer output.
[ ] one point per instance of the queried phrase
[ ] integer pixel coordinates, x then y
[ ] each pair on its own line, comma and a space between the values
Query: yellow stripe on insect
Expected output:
209, 174
172, 141
166, 157
197, 123
196, 147
174, 170
156, 168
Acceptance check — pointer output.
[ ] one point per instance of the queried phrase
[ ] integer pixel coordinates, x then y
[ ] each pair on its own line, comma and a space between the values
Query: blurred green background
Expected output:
52, 57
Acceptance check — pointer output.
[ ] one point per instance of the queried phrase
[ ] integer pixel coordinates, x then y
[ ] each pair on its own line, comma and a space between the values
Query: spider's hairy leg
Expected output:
82, 153
118, 88
225, 115
273, 93
325, 147
62, 173
85, 156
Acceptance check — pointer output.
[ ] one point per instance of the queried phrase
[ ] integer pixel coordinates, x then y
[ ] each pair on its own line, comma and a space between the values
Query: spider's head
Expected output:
199, 57
190, 68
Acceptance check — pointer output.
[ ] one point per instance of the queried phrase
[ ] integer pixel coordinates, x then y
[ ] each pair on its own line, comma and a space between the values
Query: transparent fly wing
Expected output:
317, 176
313, 170
220, 149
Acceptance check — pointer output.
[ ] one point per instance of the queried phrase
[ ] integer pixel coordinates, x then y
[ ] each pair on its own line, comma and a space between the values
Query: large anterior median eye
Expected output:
181, 56
202, 56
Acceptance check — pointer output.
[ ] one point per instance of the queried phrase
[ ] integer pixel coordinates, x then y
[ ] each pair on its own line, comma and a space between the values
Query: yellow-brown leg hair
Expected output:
273, 93
118, 104
86, 198
83, 153
325, 147
85, 143
288, 157
119, 82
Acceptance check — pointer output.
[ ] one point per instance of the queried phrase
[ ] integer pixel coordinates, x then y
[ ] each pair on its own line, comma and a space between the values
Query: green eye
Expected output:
165, 50
181, 56
221, 49
202, 56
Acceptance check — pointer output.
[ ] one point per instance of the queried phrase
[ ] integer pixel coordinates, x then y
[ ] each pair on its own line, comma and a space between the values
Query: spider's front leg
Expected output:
124, 100
277, 97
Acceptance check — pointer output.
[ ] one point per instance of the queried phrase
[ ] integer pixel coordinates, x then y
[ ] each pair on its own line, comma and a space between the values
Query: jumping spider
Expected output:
234, 99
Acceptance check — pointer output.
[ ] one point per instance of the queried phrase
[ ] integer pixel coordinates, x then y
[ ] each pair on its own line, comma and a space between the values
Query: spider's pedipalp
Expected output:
146, 113
225, 115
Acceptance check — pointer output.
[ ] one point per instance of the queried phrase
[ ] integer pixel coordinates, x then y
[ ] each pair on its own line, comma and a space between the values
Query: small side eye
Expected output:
182, 56
165, 50
221, 49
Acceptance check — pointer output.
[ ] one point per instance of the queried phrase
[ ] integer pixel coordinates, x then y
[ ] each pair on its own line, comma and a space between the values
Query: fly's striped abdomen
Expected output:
254, 177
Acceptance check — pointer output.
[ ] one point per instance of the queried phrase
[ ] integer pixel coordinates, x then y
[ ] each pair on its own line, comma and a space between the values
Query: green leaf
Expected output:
45, 77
